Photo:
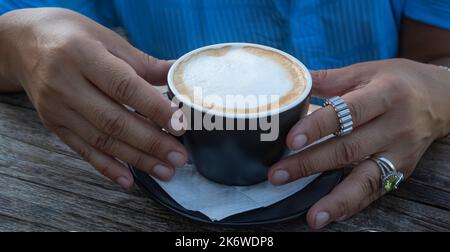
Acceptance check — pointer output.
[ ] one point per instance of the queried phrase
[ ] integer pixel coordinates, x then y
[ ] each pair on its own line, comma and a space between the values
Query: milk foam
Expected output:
243, 72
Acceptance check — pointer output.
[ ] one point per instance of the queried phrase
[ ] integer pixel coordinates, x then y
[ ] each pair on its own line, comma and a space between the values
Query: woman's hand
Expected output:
399, 108
78, 75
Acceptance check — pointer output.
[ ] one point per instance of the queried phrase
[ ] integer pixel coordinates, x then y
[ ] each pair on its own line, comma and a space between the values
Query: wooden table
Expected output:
44, 186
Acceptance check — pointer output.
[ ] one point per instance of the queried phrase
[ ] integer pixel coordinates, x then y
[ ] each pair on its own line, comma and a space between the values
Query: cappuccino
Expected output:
240, 79
237, 103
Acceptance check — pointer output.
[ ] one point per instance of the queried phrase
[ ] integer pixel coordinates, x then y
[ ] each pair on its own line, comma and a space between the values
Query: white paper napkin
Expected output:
194, 192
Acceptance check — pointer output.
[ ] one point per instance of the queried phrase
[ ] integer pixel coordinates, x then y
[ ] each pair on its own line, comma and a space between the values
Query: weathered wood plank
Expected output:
61, 176
24, 125
74, 213
10, 224
64, 211
434, 168
382, 216
422, 192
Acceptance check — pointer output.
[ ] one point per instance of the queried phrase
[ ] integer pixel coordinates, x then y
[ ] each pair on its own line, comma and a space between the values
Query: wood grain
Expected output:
44, 186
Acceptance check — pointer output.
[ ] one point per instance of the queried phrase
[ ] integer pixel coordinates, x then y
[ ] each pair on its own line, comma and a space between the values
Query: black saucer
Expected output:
289, 208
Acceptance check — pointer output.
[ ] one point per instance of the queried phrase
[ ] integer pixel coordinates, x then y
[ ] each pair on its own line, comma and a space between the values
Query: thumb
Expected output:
332, 82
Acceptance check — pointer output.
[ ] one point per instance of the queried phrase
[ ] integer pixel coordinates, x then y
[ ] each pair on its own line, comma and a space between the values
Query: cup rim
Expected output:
273, 112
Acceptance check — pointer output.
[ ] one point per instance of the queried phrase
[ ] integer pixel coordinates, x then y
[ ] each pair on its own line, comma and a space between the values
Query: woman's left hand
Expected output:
399, 107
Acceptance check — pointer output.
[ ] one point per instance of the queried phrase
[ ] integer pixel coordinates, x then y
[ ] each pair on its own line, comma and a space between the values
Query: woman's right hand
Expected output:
78, 74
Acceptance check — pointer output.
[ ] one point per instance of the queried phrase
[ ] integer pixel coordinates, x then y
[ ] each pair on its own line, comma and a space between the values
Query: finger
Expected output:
116, 148
119, 80
117, 122
106, 165
360, 188
364, 104
335, 153
332, 82
151, 69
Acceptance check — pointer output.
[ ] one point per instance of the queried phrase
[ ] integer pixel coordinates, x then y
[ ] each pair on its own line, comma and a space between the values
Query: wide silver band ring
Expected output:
390, 177
343, 114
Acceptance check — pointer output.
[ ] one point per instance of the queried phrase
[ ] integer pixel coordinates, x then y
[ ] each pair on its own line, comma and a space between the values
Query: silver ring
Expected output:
343, 114
390, 177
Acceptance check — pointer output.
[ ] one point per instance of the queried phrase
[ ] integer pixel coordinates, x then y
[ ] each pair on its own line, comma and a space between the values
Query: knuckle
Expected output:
153, 144
304, 167
151, 62
138, 161
49, 69
103, 169
104, 142
123, 87
85, 154
63, 47
345, 206
401, 62
321, 76
354, 70
385, 102
114, 124
370, 185
148, 60
155, 112
400, 91
348, 152
318, 127
356, 110
405, 132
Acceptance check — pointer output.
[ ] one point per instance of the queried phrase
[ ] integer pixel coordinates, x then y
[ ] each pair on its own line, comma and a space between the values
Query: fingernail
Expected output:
299, 141
280, 177
162, 172
322, 219
124, 182
176, 159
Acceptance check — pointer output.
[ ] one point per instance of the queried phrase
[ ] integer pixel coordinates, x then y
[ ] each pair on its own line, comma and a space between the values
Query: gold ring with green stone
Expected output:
390, 177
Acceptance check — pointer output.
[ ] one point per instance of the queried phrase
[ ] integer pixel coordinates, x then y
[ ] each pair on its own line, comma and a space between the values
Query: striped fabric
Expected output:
321, 33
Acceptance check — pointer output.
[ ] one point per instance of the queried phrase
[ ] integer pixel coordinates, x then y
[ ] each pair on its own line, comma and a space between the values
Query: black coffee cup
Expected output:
238, 156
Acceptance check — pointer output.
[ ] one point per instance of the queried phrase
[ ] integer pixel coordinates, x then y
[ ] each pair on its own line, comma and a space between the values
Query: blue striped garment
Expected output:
320, 33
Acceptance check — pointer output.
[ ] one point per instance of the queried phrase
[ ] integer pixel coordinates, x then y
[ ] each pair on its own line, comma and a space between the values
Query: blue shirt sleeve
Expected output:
432, 12
102, 11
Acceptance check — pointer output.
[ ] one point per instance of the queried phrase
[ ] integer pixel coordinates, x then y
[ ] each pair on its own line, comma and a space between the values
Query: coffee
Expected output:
244, 71
236, 143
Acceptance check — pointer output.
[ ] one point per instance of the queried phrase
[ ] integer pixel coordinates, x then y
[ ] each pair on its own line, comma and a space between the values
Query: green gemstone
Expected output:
390, 182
